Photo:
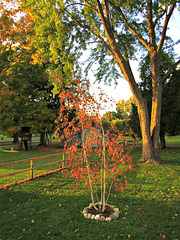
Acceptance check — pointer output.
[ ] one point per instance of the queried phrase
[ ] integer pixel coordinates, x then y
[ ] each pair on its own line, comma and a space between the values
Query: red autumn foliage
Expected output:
97, 158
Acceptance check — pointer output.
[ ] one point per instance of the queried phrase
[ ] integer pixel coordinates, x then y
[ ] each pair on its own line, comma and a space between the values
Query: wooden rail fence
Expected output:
31, 160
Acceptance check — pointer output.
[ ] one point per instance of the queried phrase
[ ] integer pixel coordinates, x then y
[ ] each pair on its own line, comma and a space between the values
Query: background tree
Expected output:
25, 93
124, 108
171, 107
134, 123
124, 119
118, 30
107, 119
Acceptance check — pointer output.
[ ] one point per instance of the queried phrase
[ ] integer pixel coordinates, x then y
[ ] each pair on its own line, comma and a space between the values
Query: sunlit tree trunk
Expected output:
156, 102
156, 117
148, 152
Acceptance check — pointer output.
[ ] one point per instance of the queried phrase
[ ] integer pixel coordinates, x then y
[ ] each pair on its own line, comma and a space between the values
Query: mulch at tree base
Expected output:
108, 210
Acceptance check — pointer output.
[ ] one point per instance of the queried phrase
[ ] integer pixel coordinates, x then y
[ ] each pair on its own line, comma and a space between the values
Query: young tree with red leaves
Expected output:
104, 159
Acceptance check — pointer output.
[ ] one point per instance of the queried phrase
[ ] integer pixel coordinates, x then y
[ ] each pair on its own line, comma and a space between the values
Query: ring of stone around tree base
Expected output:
111, 213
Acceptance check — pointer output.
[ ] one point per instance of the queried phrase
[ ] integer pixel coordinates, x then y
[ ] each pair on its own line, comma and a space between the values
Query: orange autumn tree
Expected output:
16, 25
103, 159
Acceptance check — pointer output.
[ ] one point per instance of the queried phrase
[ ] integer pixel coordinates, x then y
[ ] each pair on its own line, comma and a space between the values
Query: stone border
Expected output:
99, 217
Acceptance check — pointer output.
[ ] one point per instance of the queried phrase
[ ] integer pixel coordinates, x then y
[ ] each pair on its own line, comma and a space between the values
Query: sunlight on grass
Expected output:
47, 208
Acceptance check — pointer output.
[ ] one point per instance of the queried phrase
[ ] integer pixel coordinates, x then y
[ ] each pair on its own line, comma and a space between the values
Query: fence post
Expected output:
31, 169
63, 161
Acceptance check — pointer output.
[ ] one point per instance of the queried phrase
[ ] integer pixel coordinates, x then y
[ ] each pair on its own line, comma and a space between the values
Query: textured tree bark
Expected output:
149, 154
148, 151
156, 101
155, 120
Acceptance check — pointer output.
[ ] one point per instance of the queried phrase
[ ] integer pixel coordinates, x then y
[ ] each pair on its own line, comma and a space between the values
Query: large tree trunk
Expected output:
156, 101
155, 119
148, 149
148, 152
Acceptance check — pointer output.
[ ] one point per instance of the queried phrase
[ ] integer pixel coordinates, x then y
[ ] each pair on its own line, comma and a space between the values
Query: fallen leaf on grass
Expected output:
163, 236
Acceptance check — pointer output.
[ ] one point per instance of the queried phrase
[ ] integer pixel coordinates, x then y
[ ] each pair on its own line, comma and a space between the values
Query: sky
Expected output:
122, 90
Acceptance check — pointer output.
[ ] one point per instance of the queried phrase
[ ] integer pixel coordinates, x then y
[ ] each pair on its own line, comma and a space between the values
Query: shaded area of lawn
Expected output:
47, 208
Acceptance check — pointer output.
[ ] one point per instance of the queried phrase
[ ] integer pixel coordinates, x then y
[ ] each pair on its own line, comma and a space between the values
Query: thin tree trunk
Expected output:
162, 140
88, 168
16, 139
42, 139
104, 168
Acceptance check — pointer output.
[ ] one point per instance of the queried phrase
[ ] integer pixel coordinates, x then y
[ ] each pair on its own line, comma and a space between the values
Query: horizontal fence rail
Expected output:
26, 160
31, 160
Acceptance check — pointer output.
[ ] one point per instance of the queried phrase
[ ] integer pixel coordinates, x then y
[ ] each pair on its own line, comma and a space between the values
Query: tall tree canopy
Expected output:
118, 30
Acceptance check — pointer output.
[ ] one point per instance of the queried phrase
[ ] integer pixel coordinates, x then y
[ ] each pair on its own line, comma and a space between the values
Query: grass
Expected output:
11, 157
47, 208
173, 139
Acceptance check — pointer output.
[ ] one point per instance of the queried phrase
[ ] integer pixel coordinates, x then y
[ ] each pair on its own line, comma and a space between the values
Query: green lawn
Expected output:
173, 139
47, 208
6, 157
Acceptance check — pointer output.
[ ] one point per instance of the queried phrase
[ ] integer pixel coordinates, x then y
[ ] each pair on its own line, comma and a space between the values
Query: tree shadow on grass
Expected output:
173, 162
170, 156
